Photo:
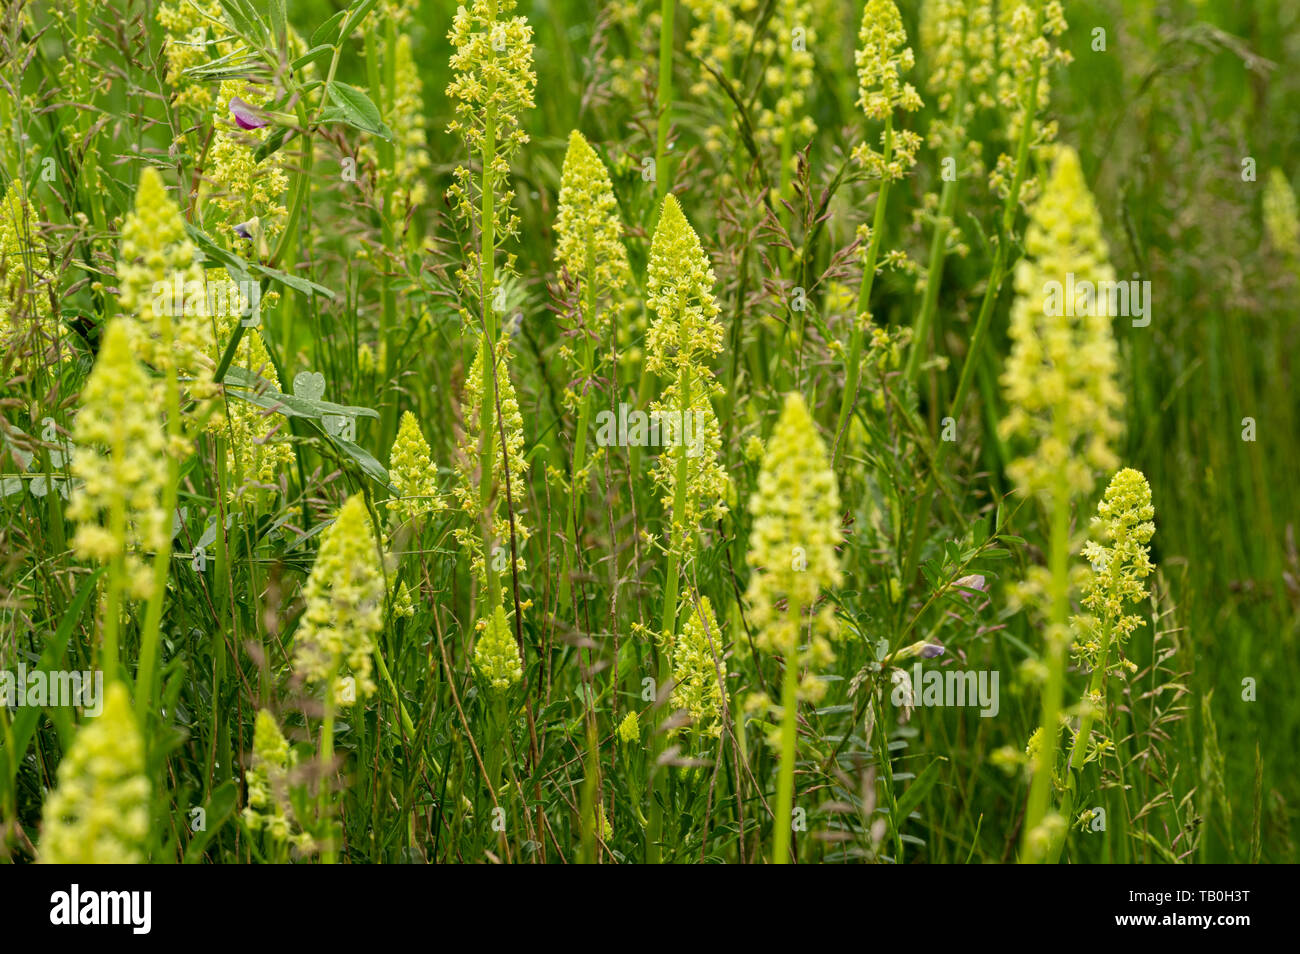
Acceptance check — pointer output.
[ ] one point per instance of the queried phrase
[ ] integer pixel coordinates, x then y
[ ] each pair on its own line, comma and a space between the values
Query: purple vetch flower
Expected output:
246, 115
973, 582
245, 230
931, 650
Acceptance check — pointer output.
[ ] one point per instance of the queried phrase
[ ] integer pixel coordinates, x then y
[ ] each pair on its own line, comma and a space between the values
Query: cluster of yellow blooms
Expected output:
1121, 563
23, 298
119, 465
411, 472
344, 593
156, 254
699, 671
1059, 378
492, 84
192, 26
496, 654
267, 778
588, 235
683, 338
243, 187
958, 39
796, 513
883, 56
1026, 29
99, 812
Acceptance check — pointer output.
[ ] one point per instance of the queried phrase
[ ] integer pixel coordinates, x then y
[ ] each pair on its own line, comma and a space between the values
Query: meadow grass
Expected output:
420, 606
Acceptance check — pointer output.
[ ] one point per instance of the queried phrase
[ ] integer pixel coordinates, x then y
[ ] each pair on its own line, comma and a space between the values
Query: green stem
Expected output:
781, 828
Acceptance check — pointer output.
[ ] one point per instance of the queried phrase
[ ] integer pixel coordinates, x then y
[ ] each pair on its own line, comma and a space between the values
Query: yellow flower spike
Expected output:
883, 56
589, 233
411, 471
269, 808
496, 654
22, 278
344, 597
697, 666
796, 511
958, 40
1121, 563
683, 338
1280, 219
161, 286
99, 811
192, 27
119, 463
629, 730
1060, 377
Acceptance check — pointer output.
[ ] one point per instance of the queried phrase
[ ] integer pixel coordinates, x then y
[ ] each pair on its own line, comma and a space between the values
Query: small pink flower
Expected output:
246, 116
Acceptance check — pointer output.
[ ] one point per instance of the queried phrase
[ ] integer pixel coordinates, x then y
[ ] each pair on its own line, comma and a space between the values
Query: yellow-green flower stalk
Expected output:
699, 671
480, 492
491, 87
24, 300
589, 248
269, 808
335, 641
1280, 219
1060, 378
120, 472
1063, 401
99, 812
411, 471
408, 190
629, 730
160, 285
1026, 55
496, 654
1121, 562
883, 57
796, 513
683, 338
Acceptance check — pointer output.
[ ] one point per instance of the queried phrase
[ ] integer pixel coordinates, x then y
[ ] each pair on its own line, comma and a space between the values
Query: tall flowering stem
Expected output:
664, 102
796, 513
683, 339
882, 58
1121, 563
1059, 384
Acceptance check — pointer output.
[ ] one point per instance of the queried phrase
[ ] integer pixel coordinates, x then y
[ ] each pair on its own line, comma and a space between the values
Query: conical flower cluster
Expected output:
411, 471
683, 339
496, 654
344, 593
160, 285
1026, 30
1121, 563
194, 36
588, 233
99, 812
796, 511
1060, 378
883, 57
267, 779
699, 671
119, 464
